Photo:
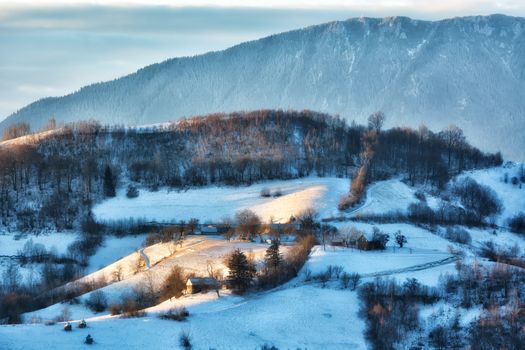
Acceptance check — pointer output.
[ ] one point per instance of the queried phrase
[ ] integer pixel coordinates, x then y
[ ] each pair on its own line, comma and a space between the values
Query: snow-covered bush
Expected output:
458, 235
97, 301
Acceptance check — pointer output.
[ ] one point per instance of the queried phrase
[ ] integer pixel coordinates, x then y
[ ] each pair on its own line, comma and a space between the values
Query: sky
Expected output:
54, 47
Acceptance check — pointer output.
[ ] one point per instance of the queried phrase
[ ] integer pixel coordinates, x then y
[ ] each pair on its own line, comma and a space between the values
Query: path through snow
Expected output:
145, 257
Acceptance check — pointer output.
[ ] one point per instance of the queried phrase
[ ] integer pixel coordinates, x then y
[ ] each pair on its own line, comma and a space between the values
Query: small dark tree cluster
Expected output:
517, 223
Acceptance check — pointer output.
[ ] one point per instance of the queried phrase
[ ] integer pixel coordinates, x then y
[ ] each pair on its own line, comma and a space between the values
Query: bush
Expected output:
115, 309
132, 192
355, 278
458, 235
517, 223
185, 340
420, 195
177, 314
131, 308
265, 192
97, 301
174, 284
480, 200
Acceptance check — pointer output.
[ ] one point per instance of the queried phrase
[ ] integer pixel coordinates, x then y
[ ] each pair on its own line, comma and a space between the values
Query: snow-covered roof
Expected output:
201, 280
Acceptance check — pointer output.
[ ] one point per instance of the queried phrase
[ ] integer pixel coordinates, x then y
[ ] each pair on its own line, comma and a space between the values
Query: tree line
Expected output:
52, 181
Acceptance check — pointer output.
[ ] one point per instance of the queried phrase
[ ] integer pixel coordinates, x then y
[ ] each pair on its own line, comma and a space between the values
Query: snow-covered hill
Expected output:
303, 312
214, 203
469, 71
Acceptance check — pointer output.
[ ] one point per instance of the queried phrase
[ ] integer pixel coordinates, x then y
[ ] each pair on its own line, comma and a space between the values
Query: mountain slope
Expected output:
469, 71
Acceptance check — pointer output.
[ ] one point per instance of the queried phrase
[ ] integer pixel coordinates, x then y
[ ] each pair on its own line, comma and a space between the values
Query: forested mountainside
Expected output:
52, 179
468, 71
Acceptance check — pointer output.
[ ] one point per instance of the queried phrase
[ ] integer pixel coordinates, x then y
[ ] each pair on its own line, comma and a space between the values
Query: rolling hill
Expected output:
469, 71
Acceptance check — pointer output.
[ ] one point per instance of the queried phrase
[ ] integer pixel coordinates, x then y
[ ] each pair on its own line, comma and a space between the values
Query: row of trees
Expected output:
391, 310
423, 156
62, 174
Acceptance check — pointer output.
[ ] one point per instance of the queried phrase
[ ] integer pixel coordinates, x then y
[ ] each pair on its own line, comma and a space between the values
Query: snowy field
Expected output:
213, 203
113, 249
299, 314
10, 244
301, 317
390, 196
193, 256
512, 197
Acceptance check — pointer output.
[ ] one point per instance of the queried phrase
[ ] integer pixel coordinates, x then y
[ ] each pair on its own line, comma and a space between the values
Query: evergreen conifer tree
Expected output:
273, 257
109, 183
242, 271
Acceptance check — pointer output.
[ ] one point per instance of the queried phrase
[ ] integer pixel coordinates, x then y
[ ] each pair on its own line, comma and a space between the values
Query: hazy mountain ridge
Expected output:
469, 71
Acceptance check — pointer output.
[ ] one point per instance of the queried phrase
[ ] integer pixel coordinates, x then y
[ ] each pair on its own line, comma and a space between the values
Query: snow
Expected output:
10, 244
291, 316
193, 256
297, 314
371, 262
391, 196
213, 203
512, 197
113, 249
295, 317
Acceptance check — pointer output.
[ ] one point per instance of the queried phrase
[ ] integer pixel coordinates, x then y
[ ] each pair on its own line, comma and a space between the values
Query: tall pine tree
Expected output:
109, 183
273, 257
242, 271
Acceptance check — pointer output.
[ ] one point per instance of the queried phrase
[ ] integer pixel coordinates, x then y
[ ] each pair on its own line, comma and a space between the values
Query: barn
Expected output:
199, 284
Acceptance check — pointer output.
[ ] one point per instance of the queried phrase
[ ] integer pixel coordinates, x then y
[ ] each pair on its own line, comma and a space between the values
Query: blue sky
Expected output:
53, 47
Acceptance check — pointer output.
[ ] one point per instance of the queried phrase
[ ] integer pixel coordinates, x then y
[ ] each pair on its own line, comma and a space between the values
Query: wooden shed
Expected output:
199, 284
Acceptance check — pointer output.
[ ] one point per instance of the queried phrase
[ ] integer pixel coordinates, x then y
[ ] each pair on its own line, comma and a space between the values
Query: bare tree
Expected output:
248, 223
118, 274
376, 121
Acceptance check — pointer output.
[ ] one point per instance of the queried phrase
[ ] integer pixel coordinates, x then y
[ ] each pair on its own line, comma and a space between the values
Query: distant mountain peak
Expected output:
468, 71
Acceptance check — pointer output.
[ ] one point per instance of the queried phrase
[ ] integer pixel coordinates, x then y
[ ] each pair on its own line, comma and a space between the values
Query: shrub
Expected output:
185, 340
269, 347
65, 315
131, 308
355, 278
115, 309
458, 235
345, 280
132, 192
265, 192
379, 240
323, 277
420, 195
97, 301
177, 314
480, 200
517, 223
174, 284
439, 337
400, 239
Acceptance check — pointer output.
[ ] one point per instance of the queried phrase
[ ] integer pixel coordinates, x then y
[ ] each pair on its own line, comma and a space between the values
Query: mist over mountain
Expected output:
469, 71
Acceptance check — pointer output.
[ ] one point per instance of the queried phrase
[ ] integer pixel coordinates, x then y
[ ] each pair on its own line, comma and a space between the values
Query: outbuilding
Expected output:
199, 284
